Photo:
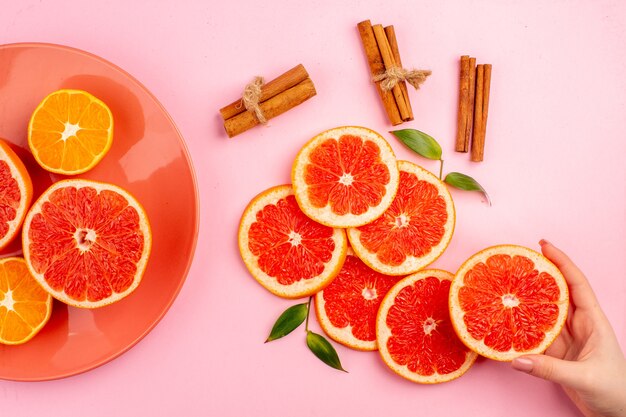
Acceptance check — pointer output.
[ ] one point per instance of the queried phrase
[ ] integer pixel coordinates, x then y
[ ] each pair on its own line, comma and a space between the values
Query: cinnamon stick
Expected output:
287, 80
463, 105
375, 61
393, 43
478, 144
271, 107
471, 98
389, 61
478, 140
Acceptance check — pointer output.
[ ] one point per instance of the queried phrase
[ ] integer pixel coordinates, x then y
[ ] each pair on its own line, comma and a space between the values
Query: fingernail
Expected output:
522, 364
543, 242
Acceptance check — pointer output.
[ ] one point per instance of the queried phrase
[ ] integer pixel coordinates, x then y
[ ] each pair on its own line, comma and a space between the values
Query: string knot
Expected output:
251, 97
392, 76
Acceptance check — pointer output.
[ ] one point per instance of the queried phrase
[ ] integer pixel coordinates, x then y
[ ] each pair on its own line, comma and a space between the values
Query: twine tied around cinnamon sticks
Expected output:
383, 56
251, 97
392, 76
261, 102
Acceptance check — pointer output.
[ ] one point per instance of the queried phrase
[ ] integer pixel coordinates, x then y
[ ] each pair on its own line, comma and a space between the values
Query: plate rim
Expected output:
196, 228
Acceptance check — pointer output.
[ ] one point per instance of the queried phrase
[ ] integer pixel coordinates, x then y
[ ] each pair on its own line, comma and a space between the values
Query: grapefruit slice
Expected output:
87, 243
345, 177
506, 301
346, 309
286, 252
24, 306
414, 231
414, 333
70, 132
16, 193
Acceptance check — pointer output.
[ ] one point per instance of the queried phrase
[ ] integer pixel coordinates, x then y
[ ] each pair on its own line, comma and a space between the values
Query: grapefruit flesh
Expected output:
16, 193
346, 309
507, 301
415, 335
345, 177
87, 243
286, 252
414, 231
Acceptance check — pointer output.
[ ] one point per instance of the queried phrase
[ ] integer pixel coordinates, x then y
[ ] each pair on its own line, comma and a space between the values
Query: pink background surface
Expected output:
553, 167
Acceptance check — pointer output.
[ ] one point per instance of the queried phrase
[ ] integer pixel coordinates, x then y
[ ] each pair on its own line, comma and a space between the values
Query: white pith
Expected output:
8, 302
542, 264
69, 131
383, 333
303, 287
16, 222
325, 215
98, 186
411, 264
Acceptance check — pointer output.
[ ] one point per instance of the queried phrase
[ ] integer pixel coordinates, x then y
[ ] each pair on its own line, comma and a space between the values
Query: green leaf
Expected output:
465, 182
419, 142
323, 350
291, 318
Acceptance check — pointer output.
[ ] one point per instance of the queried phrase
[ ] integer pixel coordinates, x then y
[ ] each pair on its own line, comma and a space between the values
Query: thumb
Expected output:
562, 372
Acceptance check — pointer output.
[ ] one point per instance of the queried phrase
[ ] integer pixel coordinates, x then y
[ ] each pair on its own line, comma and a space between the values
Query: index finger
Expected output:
581, 293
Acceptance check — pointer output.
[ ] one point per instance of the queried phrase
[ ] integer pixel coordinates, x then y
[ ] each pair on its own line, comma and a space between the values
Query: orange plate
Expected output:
148, 158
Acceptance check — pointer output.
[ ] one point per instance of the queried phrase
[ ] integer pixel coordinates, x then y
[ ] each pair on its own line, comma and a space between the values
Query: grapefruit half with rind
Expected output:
87, 243
16, 193
414, 231
346, 309
345, 177
507, 301
289, 254
414, 333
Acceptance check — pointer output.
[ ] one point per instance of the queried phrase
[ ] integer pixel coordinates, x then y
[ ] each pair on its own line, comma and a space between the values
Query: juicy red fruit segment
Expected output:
354, 296
289, 246
86, 243
347, 174
9, 197
508, 303
422, 337
411, 226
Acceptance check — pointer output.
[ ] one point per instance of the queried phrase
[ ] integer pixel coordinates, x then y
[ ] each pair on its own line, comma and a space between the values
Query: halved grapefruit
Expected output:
507, 300
345, 177
414, 231
286, 252
16, 193
346, 309
414, 333
87, 243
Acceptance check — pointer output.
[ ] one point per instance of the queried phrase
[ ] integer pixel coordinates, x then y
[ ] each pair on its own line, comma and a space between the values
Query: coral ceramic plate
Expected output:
148, 158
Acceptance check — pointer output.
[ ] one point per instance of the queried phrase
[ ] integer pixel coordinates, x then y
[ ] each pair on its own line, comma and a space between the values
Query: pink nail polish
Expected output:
522, 364
543, 242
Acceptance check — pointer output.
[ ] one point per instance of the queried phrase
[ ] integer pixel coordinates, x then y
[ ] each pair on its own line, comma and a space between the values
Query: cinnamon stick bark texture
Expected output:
464, 89
471, 99
383, 56
478, 144
277, 96
375, 61
393, 43
389, 61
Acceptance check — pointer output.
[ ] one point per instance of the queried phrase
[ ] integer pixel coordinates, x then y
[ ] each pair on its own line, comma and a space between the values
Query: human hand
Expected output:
585, 358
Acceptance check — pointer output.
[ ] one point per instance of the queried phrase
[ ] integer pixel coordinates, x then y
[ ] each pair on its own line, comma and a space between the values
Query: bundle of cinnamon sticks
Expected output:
475, 82
276, 97
381, 50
